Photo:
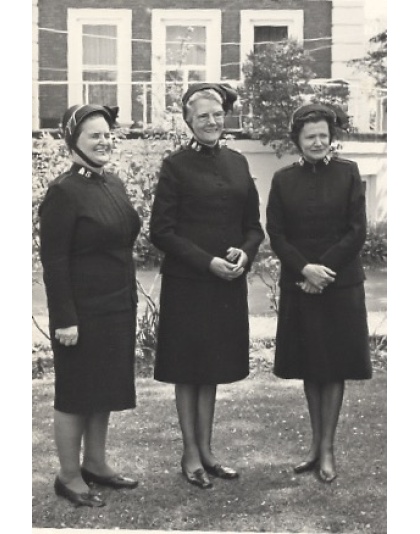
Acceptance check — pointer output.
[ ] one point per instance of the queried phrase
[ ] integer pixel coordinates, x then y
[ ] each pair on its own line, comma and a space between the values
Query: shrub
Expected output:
374, 252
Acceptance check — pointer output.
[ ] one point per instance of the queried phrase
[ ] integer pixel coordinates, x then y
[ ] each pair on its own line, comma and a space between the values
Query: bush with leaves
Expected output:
374, 63
374, 252
276, 81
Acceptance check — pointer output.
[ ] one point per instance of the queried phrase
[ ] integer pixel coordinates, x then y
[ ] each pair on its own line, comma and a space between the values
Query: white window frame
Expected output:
250, 18
121, 18
211, 19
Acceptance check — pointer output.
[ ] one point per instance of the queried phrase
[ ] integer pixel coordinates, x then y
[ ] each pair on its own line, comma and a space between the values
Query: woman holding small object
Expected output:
205, 219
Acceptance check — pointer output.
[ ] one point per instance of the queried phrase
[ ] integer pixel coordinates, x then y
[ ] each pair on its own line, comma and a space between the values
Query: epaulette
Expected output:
343, 160
236, 150
290, 166
62, 177
172, 153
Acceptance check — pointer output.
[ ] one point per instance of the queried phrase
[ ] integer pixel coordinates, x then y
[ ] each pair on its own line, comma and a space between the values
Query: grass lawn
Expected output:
261, 428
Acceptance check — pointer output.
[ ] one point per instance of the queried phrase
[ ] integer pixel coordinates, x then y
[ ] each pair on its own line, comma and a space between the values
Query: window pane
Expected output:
196, 76
99, 76
173, 88
173, 76
268, 34
99, 44
185, 45
101, 94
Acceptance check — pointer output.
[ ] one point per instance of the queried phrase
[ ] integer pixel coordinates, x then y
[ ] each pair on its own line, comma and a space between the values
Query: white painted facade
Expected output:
350, 41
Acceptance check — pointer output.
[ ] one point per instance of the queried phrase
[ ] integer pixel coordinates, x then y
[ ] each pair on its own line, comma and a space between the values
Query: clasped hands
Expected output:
230, 267
317, 278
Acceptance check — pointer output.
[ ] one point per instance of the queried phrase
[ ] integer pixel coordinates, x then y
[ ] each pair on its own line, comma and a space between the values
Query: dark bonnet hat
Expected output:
228, 94
75, 115
330, 111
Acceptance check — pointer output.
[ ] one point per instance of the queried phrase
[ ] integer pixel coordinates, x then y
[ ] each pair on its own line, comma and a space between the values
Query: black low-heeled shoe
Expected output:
113, 481
324, 477
305, 466
198, 478
220, 471
79, 499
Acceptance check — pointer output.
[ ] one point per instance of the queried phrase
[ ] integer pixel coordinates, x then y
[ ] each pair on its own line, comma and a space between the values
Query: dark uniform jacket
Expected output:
317, 214
206, 201
88, 227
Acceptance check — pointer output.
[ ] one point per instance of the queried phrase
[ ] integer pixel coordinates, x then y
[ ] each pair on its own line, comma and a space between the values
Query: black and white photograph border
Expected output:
401, 206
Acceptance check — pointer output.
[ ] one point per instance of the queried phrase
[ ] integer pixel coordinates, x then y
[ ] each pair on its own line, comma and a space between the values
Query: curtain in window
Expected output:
99, 45
100, 64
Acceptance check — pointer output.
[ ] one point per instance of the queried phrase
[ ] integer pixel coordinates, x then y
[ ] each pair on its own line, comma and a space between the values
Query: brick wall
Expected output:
53, 46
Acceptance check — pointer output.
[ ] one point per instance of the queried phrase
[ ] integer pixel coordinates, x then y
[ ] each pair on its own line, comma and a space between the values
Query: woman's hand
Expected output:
238, 257
307, 287
224, 269
318, 275
67, 336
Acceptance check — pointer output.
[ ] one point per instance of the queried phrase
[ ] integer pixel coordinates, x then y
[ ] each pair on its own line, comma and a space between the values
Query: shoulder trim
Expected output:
234, 150
290, 167
169, 154
61, 178
344, 160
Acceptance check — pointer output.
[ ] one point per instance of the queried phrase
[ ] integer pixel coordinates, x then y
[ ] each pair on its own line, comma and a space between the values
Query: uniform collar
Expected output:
195, 145
84, 172
323, 162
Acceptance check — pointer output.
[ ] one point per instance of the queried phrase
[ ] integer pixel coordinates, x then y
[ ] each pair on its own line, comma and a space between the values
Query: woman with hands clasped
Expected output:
316, 221
88, 227
205, 219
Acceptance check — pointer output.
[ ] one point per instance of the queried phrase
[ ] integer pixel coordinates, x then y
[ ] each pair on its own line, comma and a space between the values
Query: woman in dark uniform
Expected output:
88, 228
205, 219
316, 222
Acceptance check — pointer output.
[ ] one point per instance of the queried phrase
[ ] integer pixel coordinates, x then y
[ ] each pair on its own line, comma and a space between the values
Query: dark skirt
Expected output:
97, 374
323, 337
203, 331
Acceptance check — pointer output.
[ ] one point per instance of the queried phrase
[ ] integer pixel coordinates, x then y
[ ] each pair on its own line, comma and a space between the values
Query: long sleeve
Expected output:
351, 243
288, 254
163, 224
253, 232
57, 220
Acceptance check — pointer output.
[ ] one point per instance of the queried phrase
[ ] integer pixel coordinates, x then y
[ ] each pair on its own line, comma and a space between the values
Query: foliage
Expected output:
375, 61
379, 351
266, 267
275, 80
374, 252
49, 159
147, 324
